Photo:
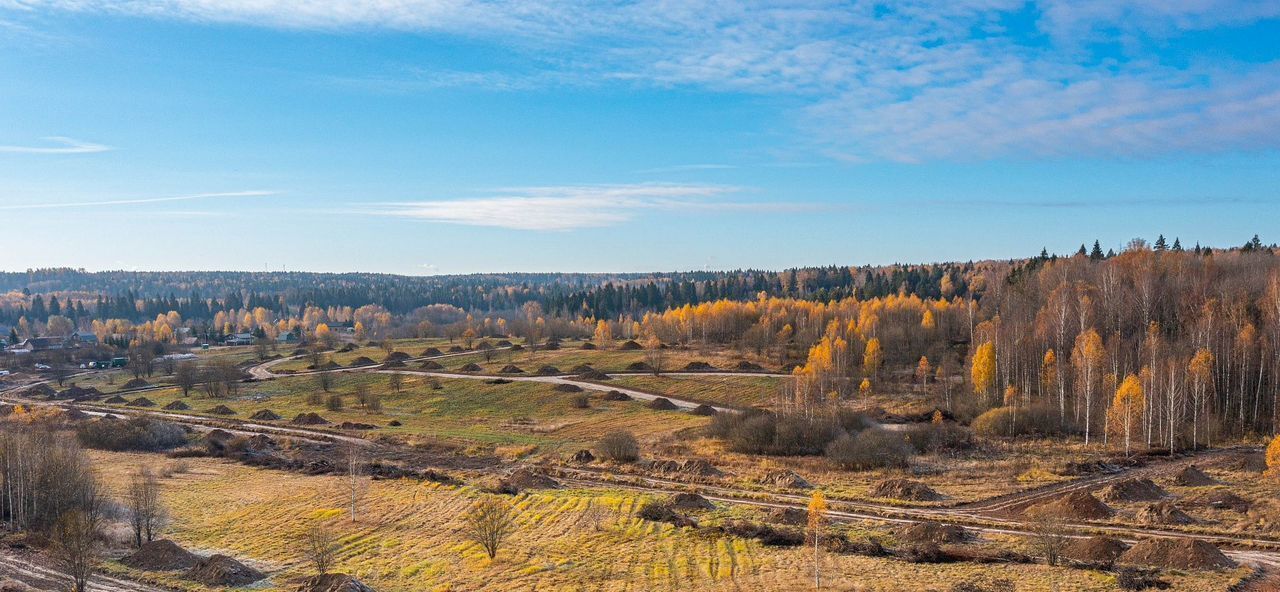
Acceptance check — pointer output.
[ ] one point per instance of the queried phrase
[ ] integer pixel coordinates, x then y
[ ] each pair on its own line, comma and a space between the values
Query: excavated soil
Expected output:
630, 345
567, 388
785, 479
662, 404
363, 361
1077, 505
593, 375
905, 489
1192, 476
177, 406
690, 501
161, 555
116, 400
310, 418
1097, 549
511, 369
221, 410
1223, 499
431, 351
616, 396
580, 368
703, 409
521, 479
639, 367
223, 571
135, 383
471, 367
1176, 554
548, 370
431, 365
698, 367
265, 415
333, 583
1163, 513
142, 402
1134, 490
933, 532
748, 366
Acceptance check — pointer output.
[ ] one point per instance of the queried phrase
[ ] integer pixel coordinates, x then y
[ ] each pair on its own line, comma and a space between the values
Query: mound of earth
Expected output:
310, 418
511, 369
393, 364
661, 404
548, 370
551, 346
565, 387
218, 435
77, 393
142, 402
616, 396
161, 555
498, 381
395, 423
630, 345
690, 501
587, 345
221, 410
698, 367
456, 350
41, 390
1077, 505
351, 425
1250, 463
1096, 549
8, 585
116, 400
397, 356
431, 365
789, 516
933, 532
703, 409
135, 383
580, 368
748, 366
177, 406
431, 351
350, 347
1163, 513
223, 571
504, 343
905, 489
1134, 490
471, 367
330, 365
363, 361
521, 479
658, 511
639, 367
517, 347
264, 415
593, 374
333, 583
1223, 499
1192, 476
696, 467
1182, 553
785, 479
583, 456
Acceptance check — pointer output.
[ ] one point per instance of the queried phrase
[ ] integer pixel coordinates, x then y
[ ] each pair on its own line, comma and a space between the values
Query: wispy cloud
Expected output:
574, 206
682, 168
138, 201
61, 145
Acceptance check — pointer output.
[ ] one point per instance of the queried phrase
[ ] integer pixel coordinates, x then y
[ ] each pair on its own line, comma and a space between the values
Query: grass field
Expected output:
730, 391
408, 537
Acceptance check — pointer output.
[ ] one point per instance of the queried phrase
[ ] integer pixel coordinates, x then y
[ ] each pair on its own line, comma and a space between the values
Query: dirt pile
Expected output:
1077, 505
431, 351
593, 375
431, 365
454, 349
351, 425
1097, 550
521, 479
511, 369
223, 571
333, 583
616, 396
330, 365
580, 368
704, 410
363, 361
1255, 462
142, 402
310, 418
583, 457
350, 347
503, 343
116, 400
698, 367
639, 367
789, 516
135, 383
397, 356
587, 345
221, 410
548, 370
1176, 554
1192, 476
177, 406
630, 345
1163, 513
905, 489
662, 404
1134, 490
933, 532
265, 415
1223, 499
471, 367
695, 467
161, 555
690, 501
565, 387
498, 381
41, 390
393, 364
786, 480
745, 366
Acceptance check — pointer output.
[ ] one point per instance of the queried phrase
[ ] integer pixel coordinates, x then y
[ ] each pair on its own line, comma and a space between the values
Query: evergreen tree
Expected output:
1082, 250
1177, 245
1096, 253
1160, 244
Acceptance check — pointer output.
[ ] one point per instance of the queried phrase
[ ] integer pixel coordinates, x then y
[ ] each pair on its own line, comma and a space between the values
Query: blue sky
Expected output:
445, 136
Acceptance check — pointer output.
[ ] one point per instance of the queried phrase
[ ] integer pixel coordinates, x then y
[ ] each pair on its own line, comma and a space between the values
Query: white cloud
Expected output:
572, 206
62, 145
138, 201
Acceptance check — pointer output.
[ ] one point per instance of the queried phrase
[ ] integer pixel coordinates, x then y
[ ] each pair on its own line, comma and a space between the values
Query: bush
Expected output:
762, 432
619, 446
938, 437
1136, 579
581, 401
1008, 422
871, 449
333, 403
315, 398
137, 434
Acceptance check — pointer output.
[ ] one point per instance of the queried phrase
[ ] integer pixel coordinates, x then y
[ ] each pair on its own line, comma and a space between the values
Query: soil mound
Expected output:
76, 393
350, 347
933, 532
1163, 513
565, 387
789, 516
1134, 490
639, 367
630, 345
497, 381
785, 479
431, 351
580, 368
397, 356
41, 390
116, 400
662, 404
1250, 463
431, 365
217, 435
221, 410
698, 367
548, 370
351, 425
223, 571
746, 366
583, 457
1176, 554
393, 364
503, 343
511, 369
521, 479
905, 489
135, 383
696, 467
703, 409
1077, 505
265, 415
142, 402
616, 396
456, 350
333, 583
161, 555
471, 367
1096, 549
587, 345
363, 361
593, 374
690, 501
177, 406
516, 347
310, 418
1192, 476
1223, 499
329, 365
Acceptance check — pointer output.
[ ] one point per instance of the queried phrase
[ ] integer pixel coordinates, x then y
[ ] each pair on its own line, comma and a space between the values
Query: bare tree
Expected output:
1049, 536
324, 380
654, 354
75, 537
489, 523
319, 547
395, 380
185, 376
146, 512
356, 484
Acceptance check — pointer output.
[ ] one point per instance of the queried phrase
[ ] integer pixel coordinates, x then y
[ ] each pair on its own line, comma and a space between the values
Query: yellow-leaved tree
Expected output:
1273, 458
1124, 418
603, 335
983, 369
817, 517
872, 357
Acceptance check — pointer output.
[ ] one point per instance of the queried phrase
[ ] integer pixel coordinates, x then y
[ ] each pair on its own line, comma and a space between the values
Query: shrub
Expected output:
619, 446
315, 398
871, 449
1008, 422
762, 432
938, 437
333, 403
581, 401
138, 434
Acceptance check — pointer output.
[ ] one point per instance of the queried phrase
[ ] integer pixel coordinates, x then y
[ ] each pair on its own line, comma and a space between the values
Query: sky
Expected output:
449, 136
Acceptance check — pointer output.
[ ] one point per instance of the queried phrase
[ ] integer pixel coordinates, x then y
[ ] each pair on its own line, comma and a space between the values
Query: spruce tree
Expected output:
1096, 253
1160, 244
